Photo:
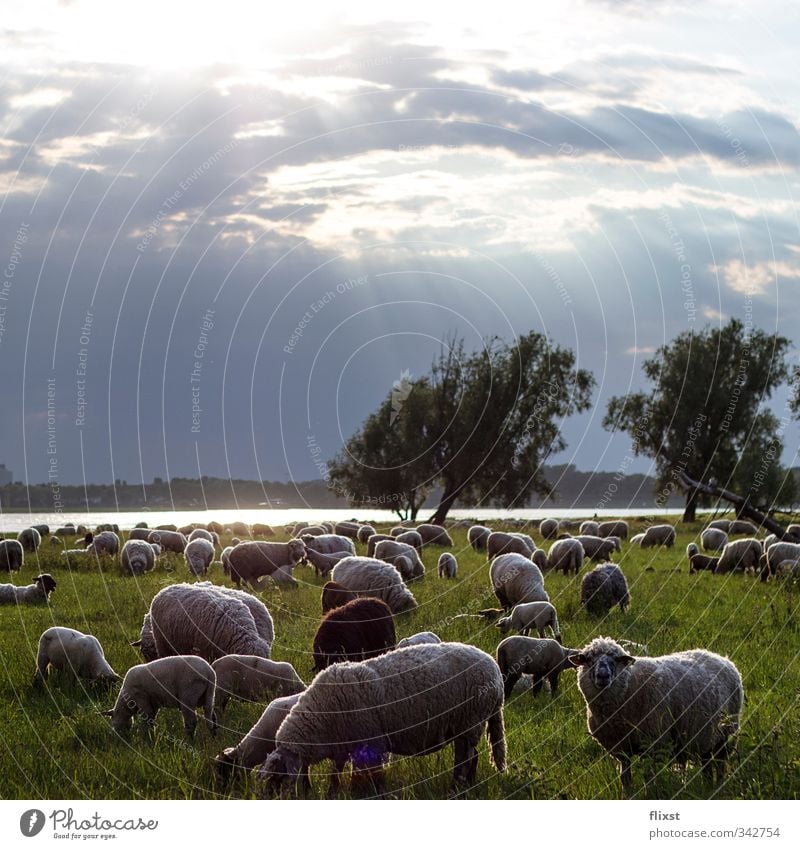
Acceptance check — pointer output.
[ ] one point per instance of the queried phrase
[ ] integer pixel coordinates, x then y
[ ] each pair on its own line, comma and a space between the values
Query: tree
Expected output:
702, 416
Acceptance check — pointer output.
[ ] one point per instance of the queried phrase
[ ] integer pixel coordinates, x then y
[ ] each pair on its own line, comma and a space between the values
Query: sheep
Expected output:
169, 540
328, 543
500, 542
548, 528
447, 566
364, 533
12, 555
216, 528
515, 580
598, 548
347, 529
198, 554
721, 524
769, 540
420, 639
713, 539
139, 533
30, 539
262, 530
567, 555
240, 529
477, 536
776, 554
741, 555
68, 530
412, 538
539, 658
359, 630
202, 533
335, 595
66, 649
137, 557
742, 527
390, 550
35, 593
225, 559
370, 577
44, 530
253, 748
253, 562
265, 627
637, 539
604, 587
141, 525
323, 563
311, 531
104, 543
204, 620
249, 677
539, 557
689, 702
185, 682
613, 528
533, 614
374, 540
412, 701
700, 562
590, 528
434, 535
658, 535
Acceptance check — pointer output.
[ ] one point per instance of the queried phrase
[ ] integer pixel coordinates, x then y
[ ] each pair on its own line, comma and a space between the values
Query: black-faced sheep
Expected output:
68, 650
515, 580
36, 593
604, 587
447, 567
359, 630
370, 577
12, 555
700, 562
566, 555
540, 658
478, 536
251, 678
254, 562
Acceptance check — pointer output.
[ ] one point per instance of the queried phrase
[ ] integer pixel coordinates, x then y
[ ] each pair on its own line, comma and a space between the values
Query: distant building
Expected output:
6, 475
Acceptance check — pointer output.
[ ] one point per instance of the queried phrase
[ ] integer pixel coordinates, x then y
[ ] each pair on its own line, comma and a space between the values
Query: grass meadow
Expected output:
54, 745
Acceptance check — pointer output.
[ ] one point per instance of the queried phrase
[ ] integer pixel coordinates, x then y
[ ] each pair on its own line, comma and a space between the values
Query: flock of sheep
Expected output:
204, 643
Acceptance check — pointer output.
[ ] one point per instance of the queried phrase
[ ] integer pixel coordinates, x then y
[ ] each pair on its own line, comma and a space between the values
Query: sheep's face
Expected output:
504, 624
46, 583
281, 769
602, 669
297, 551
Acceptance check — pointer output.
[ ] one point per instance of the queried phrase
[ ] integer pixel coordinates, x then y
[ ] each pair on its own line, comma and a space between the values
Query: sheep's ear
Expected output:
625, 660
578, 659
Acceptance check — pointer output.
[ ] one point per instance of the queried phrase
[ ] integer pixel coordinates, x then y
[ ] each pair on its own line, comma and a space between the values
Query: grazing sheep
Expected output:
169, 540
240, 529
347, 529
515, 580
106, 543
776, 554
478, 536
216, 528
397, 530
604, 587
590, 528
249, 677
36, 593
323, 563
390, 550
689, 703
411, 538
358, 630
539, 557
420, 639
533, 614
30, 539
598, 548
741, 555
335, 595
311, 531
328, 543
742, 527
713, 539
447, 565
721, 524
199, 553
374, 540
364, 533
68, 650
613, 528
137, 557
371, 577
185, 682
254, 562
202, 533
548, 528
12, 555
567, 555
700, 562
412, 701
68, 530
540, 658
265, 627
658, 535
262, 530
500, 542
44, 530
769, 540
139, 533
434, 535
168, 527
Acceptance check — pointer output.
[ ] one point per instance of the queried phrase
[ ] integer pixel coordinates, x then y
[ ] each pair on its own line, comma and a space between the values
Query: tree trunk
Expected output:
445, 503
690, 511
414, 511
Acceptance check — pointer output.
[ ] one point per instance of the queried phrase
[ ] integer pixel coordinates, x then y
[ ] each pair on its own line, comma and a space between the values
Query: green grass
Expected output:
54, 745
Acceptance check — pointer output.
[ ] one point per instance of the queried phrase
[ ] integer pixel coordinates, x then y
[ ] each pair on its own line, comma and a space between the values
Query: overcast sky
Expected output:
224, 236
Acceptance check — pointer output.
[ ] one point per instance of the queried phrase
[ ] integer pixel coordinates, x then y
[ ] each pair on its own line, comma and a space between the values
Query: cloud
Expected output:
757, 278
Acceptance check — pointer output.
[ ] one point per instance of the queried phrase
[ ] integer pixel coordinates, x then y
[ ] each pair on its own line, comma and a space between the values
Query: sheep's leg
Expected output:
538, 682
41, 670
189, 720
525, 631
510, 680
625, 774
540, 632
553, 678
466, 759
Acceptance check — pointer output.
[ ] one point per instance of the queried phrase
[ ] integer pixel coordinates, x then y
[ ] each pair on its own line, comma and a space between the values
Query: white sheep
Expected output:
106, 543
36, 593
613, 528
30, 539
742, 527
658, 535
599, 548
390, 550
168, 540
185, 682
769, 540
721, 524
255, 562
688, 703
364, 533
328, 543
477, 536
548, 528
373, 540
740, 555
66, 649
137, 557
713, 539
199, 554
374, 578
434, 535
515, 580
412, 538
501, 542
776, 554
567, 555
447, 567
420, 639
251, 678
590, 528
532, 614
12, 555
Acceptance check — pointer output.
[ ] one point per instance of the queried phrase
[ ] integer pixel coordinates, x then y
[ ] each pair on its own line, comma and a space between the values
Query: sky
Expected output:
224, 237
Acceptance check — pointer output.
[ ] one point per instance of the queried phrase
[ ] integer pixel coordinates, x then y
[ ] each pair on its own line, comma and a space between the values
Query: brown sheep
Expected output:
360, 630
335, 595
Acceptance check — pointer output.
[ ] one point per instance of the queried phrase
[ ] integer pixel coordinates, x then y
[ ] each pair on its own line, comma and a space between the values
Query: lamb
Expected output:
335, 595
689, 702
35, 593
412, 701
500, 542
742, 527
775, 555
199, 553
104, 543
323, 563
359, 630
30, 539
447, 566
202, 533
700, 562
412, 538
658, 535
364, 533
477, 536
567, 555
374, 540
251, 678
347, 529
370, 577
169, 540
328, 543
253, 562
12, 555
539, 658
66, 649
420, 639
533, 614
713, 539
391, 550
137, 557
598, 548
604, 587
548, 528
515, 580
434, 535
590, 528
741, 555
613, 528
184, 682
